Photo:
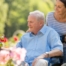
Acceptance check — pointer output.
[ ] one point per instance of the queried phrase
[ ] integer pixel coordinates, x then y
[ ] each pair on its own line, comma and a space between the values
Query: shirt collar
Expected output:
43, 30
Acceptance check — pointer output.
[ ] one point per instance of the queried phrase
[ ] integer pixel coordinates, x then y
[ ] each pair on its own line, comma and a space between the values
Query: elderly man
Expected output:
41, 43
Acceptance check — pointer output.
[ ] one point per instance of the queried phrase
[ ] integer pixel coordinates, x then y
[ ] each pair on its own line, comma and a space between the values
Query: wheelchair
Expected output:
62, 58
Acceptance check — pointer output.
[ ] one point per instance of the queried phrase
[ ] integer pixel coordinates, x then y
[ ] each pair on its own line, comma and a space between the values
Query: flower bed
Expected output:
12, 56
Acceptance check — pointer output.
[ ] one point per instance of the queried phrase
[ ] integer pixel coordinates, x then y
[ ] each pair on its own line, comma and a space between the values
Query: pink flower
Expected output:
4, 56
18, 54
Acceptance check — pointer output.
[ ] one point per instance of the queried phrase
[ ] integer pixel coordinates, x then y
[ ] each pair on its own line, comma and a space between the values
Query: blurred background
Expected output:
13, 15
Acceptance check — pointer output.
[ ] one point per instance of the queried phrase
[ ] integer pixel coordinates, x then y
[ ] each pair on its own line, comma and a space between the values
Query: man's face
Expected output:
33, 24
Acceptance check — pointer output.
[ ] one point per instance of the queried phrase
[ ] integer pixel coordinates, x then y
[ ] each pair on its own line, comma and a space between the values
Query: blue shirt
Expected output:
47, 39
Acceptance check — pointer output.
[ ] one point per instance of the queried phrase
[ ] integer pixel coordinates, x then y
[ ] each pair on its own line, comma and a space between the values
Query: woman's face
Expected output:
59, 7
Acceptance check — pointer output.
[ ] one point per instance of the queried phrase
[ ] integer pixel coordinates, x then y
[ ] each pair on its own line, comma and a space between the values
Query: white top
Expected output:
60, 27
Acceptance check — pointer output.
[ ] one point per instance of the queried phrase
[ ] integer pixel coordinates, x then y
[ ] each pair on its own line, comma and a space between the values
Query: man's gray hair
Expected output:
38, 14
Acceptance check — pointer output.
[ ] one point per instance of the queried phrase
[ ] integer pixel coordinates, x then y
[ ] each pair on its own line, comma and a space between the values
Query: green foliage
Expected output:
10, 63
42, 5
17, 16
3, 15
1, 45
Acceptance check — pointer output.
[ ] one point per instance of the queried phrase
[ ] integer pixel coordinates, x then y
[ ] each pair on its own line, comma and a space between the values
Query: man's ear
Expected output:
41, 23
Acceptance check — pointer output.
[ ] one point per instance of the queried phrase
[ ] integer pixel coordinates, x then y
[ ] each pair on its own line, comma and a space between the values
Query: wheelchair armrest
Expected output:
60, 59
57, 57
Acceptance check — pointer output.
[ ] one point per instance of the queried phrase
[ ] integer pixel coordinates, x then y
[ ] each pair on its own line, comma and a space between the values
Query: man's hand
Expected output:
39, 57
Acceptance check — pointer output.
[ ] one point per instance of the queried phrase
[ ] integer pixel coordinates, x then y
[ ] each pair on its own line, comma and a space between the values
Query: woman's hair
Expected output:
64, 2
